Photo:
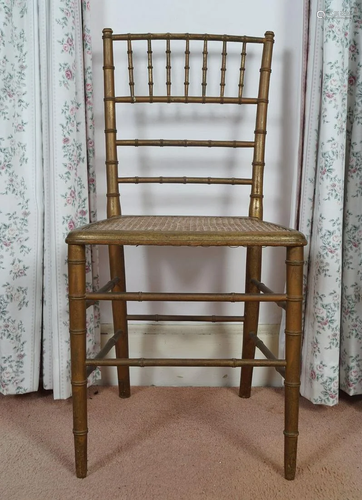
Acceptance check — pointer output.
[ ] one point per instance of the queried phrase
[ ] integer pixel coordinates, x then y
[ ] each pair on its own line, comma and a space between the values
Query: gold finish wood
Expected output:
185, 180
175, 317
112, 342
119, 310
223, 69
232, 363
130, 68
251, 313
186, 143
267, 353
168, 67
251, 232
77, 329
263, 288
293, 344
189, 297
242, 73
185, 99
186, 36
108, 286
150, 69
204, 70
186, 231
187, 69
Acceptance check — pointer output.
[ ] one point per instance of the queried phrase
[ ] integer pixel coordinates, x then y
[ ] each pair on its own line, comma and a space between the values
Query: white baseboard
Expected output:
187, 340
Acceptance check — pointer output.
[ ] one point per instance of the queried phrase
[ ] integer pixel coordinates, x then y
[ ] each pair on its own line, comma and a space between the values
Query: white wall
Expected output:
221, 270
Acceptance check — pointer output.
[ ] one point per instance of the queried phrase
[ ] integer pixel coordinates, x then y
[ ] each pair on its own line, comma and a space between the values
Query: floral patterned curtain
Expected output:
330, 212
47, 186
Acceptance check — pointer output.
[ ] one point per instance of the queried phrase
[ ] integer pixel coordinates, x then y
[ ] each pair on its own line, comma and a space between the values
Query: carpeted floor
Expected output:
179, 443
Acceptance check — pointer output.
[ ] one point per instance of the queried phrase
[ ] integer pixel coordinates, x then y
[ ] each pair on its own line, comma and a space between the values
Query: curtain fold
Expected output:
331, 202
48, 186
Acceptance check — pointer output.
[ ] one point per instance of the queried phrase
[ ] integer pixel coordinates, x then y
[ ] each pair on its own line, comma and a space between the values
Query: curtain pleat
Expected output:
330, 204
46, 147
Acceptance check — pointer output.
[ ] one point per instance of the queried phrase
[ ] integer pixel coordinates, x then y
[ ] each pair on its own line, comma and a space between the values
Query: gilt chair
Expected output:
249, 231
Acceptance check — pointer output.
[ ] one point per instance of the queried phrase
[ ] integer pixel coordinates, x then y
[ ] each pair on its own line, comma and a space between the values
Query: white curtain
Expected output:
330, 212
47, 186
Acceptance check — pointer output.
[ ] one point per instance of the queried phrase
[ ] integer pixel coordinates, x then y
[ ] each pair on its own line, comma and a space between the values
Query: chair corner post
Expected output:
77, 329
293, 336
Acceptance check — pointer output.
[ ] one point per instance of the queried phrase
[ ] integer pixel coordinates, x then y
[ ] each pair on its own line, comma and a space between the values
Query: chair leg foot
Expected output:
245, 394
124, 386
245, 382
124, 389
290, 458
80, 444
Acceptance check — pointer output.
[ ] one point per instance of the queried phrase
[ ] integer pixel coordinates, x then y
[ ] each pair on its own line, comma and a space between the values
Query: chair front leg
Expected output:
77, 313
293, 341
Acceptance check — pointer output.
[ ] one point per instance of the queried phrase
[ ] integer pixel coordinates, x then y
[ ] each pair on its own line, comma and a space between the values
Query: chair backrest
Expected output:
260, 102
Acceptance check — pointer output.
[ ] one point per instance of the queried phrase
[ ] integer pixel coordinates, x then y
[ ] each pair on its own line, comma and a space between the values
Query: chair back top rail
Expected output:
261, 102
132, 99
185, 36
167, 37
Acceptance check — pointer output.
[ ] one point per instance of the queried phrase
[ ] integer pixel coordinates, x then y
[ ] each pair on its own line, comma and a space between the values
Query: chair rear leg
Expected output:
119, 309
293, 336
251, 314
77, 328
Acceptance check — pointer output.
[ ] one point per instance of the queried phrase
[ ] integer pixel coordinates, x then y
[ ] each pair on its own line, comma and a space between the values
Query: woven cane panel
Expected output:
187, 224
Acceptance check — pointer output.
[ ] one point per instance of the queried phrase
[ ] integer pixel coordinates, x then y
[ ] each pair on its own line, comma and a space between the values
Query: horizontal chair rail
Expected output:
186, 36
184, 143
233, 363
184, 99
185, 180
173, 317
180, 297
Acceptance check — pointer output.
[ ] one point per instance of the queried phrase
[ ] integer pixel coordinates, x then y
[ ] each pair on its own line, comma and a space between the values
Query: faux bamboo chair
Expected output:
249, 231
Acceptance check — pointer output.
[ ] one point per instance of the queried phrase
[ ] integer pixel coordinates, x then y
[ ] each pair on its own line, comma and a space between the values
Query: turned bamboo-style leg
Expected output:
251, 314
119, 308
77, 312
293, 336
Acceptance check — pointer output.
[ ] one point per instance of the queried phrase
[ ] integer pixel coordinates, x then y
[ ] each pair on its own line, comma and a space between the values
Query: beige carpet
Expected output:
179, 443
